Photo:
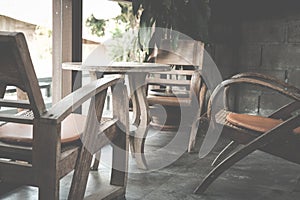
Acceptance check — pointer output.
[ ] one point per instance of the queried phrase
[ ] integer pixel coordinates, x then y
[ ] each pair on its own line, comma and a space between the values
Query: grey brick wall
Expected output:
223, 47
269, 46
263, 31
266, 41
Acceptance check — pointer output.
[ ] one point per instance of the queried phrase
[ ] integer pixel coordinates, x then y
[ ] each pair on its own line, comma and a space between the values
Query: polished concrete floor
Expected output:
174, 174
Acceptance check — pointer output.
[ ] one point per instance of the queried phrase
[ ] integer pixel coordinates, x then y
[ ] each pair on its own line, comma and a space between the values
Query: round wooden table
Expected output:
137, 73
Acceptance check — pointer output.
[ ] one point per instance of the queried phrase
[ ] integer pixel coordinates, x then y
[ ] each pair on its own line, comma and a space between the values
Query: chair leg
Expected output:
224, 165
202, 123
265, 139
97, 159
49, 187
197, 118
132, 149
193, 135
224, 153
120, 159
80, 175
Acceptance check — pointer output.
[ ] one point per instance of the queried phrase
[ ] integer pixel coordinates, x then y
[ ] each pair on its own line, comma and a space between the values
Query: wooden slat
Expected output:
107, 132
67, 162
15, 152
15, 103
177, 72
169, 101
17, 172
157, 81
24, 66
107, 125
16, 119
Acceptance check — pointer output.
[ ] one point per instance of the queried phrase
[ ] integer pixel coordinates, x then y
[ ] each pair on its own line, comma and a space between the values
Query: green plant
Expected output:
188, 17
97, 25
126, 16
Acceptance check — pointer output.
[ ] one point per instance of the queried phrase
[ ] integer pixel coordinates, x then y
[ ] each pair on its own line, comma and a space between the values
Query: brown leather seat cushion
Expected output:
256, 123
14, 133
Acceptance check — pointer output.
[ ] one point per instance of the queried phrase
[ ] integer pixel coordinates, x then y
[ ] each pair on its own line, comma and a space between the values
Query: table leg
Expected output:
141, 116
135, 103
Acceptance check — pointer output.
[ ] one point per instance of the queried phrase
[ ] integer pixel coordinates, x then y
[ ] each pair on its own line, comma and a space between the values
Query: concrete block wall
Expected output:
256, 36
222, 48
270, 46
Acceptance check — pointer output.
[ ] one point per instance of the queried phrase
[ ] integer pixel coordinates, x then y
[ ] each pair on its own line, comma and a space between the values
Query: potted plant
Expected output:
172, 32
170, 19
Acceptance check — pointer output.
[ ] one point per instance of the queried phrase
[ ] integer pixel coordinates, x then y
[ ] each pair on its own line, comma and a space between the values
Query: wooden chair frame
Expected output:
279, 141
188, 54
46, 161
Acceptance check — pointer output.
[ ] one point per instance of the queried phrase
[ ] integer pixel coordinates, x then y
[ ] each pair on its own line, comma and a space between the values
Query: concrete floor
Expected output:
259, 176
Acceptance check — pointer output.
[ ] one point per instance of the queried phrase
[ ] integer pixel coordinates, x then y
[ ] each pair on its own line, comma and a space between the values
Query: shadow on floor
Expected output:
258, 176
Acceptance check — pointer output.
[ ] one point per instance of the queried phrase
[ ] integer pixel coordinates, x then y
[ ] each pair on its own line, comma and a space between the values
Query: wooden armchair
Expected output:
42, 146
181, 91
277, 134
182, 96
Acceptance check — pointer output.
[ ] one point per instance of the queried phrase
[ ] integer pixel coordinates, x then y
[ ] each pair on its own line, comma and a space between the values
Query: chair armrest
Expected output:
284, 89
64, 107
278, 132
285, 111
266, 78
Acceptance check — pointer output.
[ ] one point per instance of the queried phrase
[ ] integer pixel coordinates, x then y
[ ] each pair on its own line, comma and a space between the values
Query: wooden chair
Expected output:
42, 146
277, 134
180, 91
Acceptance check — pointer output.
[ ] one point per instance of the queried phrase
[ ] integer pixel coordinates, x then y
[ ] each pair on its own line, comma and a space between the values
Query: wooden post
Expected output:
62, 47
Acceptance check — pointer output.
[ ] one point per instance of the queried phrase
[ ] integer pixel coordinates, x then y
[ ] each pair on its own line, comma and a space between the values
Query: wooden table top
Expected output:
118, 67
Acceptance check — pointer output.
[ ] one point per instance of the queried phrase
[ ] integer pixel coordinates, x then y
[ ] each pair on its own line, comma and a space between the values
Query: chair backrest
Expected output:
16, 69
187, 52
184, 79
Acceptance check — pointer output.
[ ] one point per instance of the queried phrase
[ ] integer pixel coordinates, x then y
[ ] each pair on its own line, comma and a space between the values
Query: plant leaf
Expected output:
136, 4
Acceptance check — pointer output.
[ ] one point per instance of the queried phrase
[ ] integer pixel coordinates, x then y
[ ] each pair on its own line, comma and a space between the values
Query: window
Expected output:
36, 24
